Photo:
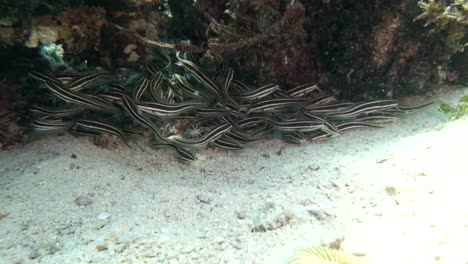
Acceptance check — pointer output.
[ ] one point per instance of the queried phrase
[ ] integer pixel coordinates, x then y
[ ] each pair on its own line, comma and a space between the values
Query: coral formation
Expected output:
53, 53
81, 28
42, 35
450, 18
321, 255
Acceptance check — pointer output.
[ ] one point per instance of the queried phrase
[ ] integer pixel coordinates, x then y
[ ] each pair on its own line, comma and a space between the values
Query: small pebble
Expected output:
204, 198
241, 215
103, 216
73, 156
101, 247
83, 200
34, 254
318, 214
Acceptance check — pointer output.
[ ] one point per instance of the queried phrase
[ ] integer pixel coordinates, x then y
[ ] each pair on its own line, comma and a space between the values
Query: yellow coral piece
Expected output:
321, 255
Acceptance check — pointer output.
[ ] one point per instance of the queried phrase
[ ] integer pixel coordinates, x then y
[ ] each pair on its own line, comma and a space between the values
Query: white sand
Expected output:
257, 205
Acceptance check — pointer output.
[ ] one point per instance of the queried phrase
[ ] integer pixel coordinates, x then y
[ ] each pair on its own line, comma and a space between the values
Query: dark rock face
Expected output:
357, 50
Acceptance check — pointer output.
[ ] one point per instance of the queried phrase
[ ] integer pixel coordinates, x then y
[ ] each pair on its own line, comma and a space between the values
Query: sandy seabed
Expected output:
394, 195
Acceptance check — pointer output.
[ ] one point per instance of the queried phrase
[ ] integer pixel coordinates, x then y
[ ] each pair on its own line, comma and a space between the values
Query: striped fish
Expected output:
367, 107
48, 124
320, 101
383, 117
201, 77
168, 110
44, 77
81, 82
298, 125
83, 132
117, 87
240, 137
408, 109
239, 87
295, 137
259, 93
262, 130
182, 84
303, 90
203, 141
212, 112
274, 104
84, 100
162, 60
227, 144
66, 78
155, 87
66, 112
99, 126
330, 127
343, 127
113, 96
183, 154
140, 89
251, 121
130, 106
231, 103
314, 108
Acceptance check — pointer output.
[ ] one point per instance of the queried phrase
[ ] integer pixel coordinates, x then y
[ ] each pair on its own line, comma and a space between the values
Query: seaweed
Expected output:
457, 111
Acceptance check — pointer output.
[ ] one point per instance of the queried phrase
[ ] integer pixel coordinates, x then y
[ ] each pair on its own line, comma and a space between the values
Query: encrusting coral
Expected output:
321, 255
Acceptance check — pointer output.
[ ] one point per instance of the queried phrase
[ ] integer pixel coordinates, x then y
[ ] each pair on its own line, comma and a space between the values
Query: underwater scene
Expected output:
237, 132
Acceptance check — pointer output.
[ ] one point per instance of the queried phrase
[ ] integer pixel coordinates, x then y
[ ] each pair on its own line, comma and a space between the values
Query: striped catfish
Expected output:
49, 124
201, 77
328, 125
82, 82
203, 141
231, 103
241, 137
100, 126
259, 93
130, 106
155, 87
84, 100
140, 89
168, 110
317, 108
227, 144
182, 84
275, 104
303, 90
298, 125
379, 117
83, 132
66, 78
408, 109
44, 77
65, 112
183, 154
239, 86
295, 137
367, 107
